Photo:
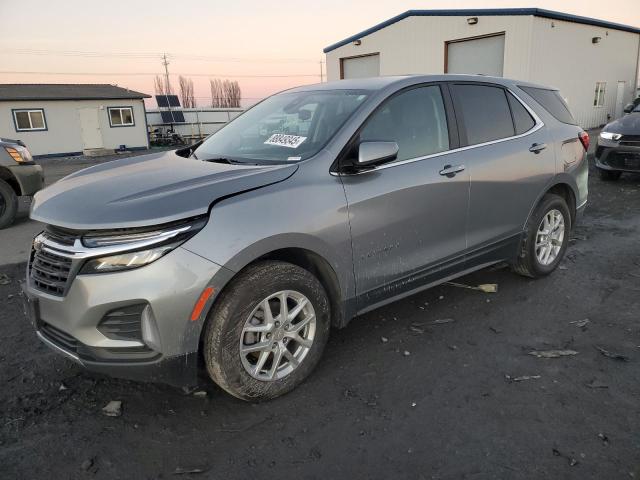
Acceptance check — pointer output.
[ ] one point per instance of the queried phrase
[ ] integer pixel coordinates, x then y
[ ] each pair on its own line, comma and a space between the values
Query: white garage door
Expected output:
361, 67
477, 56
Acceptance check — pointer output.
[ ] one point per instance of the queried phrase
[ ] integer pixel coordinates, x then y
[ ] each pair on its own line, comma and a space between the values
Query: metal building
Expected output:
594, 63
69, 119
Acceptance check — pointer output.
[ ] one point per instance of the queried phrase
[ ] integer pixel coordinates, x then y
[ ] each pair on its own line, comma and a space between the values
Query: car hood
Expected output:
146, 190
627, 125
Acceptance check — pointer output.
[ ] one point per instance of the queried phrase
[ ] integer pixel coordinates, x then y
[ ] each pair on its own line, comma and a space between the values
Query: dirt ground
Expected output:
397, 395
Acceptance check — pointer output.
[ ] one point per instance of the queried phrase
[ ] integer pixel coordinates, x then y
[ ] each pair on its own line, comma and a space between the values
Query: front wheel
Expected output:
545, 238
267, 331
8, 204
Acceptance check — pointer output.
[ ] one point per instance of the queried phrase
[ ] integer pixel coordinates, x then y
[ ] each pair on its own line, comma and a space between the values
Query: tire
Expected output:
609, 175
240, 306
8, 204
528, 263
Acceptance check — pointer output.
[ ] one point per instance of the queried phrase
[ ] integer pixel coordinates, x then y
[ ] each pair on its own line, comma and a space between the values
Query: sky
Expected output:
267, 46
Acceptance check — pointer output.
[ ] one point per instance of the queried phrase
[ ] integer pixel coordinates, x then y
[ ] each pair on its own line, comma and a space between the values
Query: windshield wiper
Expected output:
221, 160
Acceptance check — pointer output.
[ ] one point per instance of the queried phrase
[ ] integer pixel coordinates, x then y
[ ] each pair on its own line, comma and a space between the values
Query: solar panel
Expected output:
165, 101
162, 101
178, 117
169, 116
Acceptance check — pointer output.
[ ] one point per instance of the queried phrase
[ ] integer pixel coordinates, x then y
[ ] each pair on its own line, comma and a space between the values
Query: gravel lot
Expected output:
397, 395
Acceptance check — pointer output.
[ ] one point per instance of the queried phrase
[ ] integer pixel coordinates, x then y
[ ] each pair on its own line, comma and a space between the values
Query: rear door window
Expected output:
485, 112
552, 103
415, 119
522, 119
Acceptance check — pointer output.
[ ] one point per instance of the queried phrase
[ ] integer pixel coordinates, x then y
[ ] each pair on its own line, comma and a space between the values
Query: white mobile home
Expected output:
69, 119
594, 63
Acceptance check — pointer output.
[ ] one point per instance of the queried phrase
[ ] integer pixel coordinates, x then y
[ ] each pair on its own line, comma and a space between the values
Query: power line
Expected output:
150, 55
139, 74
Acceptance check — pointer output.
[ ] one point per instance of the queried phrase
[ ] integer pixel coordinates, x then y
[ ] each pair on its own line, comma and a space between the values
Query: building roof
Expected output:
65, 91
536, 12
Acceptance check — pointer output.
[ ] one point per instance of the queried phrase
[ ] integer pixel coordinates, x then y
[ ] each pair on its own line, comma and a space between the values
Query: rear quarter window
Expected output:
485, 112
552, 103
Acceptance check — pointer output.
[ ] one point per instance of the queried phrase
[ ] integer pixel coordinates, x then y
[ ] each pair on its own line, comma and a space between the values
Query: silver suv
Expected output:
316, 205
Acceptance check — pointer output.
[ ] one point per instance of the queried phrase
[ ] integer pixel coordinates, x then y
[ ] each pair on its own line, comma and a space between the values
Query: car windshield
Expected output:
287, 127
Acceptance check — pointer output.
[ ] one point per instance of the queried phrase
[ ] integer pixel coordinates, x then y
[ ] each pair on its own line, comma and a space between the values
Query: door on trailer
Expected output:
90, 127
481, 55
620, 99
360, 67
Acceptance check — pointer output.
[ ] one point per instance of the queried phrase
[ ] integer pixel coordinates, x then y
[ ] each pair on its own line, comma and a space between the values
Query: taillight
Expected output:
584, 138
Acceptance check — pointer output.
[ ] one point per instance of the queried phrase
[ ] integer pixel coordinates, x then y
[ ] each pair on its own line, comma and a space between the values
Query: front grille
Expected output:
49, 272
632, 140
61, 236
624, 160
59, 338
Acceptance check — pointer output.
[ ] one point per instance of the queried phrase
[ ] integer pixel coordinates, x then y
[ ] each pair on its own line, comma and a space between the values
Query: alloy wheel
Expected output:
278, 335
550, 237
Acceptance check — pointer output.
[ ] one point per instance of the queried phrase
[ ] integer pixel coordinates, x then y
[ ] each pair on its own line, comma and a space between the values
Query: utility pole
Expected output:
321, 73
167, 86
165, 62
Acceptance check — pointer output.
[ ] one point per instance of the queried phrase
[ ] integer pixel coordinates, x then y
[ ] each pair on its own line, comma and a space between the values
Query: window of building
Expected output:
485, 111
552, 103
522, 119
416, 120
121, 116
598, 98
29, 120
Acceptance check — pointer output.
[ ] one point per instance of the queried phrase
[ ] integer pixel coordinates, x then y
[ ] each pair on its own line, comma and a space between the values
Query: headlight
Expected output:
126, 261
125, 250
20, 154
610, 136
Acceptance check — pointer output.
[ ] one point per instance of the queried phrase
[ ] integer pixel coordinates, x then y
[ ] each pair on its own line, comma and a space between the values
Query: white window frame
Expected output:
120, 109
600, 92
29, 111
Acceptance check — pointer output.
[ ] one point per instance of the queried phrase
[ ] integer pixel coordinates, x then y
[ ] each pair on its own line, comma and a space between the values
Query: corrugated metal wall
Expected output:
417, 44
563, 55
550, 52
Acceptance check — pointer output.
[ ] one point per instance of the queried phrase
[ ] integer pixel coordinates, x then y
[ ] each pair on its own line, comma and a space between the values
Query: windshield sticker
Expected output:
293, 159
283, 140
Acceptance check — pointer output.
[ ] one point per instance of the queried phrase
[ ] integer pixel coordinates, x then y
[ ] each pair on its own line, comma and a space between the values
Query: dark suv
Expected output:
19, 176
316, 205
618, 147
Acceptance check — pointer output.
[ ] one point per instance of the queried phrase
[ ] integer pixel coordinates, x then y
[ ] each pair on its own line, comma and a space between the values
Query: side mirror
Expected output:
628, 108
372, 153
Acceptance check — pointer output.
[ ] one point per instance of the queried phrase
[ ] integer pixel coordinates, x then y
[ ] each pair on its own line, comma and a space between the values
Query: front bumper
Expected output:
620, 157
167, 290
30, 178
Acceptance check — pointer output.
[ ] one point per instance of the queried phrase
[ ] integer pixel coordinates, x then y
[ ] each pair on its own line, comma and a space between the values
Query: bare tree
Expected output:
186, 92
225, 93
161, 86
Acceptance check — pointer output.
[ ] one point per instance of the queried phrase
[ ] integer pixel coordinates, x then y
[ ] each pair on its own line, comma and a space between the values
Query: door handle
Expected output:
537, 147
451, 171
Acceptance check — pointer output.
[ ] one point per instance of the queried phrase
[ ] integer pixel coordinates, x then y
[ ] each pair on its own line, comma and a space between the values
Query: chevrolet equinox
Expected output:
318, 204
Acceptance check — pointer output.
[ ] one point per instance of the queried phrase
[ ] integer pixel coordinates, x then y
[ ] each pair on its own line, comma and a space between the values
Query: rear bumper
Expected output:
30, 178
620, 158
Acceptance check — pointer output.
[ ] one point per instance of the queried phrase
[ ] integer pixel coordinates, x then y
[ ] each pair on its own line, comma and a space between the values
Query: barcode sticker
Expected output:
283, 140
